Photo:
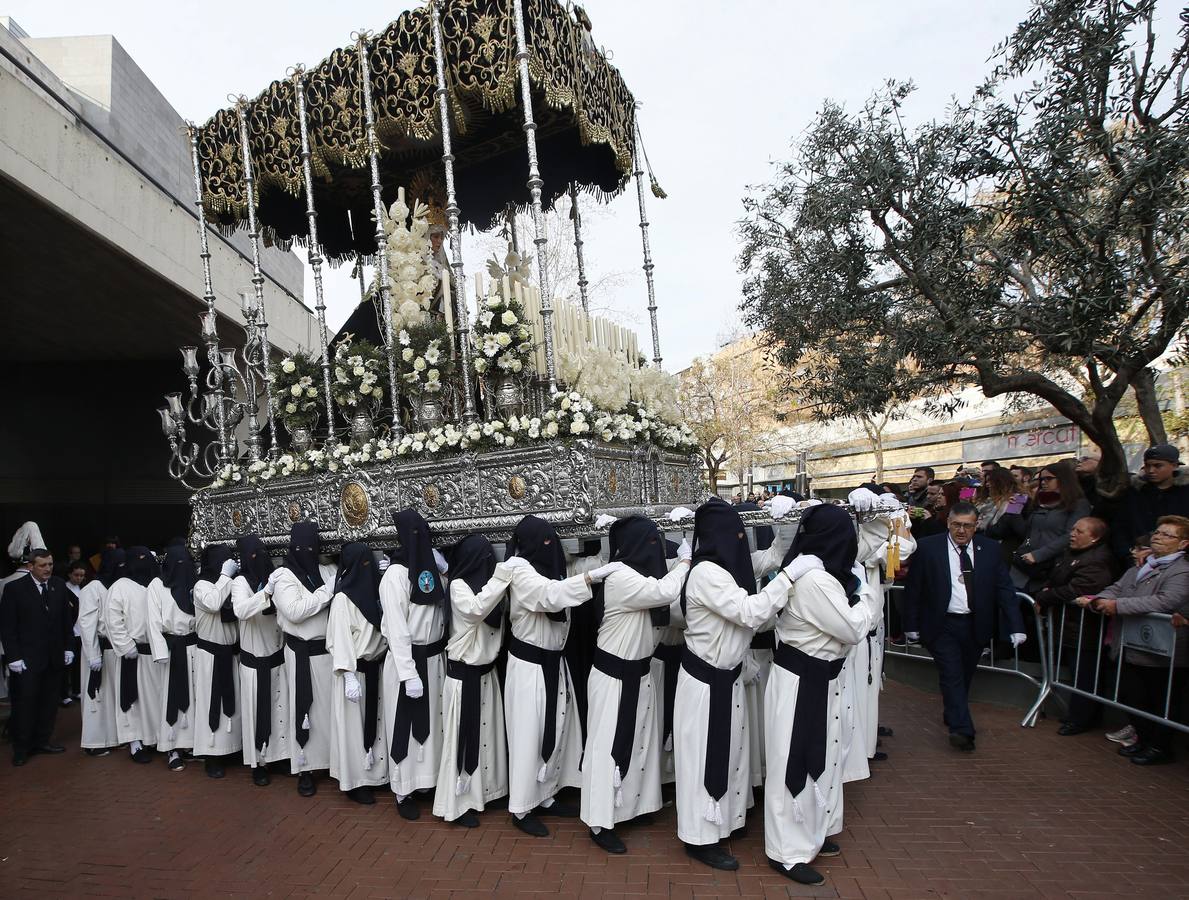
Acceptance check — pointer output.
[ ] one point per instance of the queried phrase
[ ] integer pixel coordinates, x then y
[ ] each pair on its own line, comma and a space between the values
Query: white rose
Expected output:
502, 339
433, 375
419, 364
407, 354
480, 365
288, 366
418, 446
517, 365
291, 408
365, 389
312, 393
295, 391
494, 303
509, 318
551, 430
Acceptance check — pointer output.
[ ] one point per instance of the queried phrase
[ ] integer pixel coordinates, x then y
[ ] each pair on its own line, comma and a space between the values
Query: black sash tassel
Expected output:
303, 687
412, 715
222, 680
807, 744
177, 689
263, 666
718, 723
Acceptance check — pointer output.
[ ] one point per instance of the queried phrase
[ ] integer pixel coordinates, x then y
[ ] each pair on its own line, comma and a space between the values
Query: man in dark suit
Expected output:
957, 584
36, 632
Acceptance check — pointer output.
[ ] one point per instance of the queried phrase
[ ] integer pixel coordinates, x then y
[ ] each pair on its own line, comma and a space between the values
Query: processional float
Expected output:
479, 422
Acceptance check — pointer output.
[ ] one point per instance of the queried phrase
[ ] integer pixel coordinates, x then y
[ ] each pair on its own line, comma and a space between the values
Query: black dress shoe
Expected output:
305, 784
800, 873
214, 768
712, 855
879, 756
143, 755
260, 776
963, 742
19, 758
1133, 749
829, 848
467, 820
363, 794
884, 731
608, 840
50, 748
1152, 757
531, 825
561, 810
175, 763
96, 751
409, 808
1070, 728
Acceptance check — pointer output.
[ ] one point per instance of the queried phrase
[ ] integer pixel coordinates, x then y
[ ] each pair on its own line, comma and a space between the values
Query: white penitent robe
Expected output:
128, 624
473, 643
99, 713
260, 636
609, 795
350, 637
757, 664
226, 737
406, 623
670, 641
721, 618
530, 779
819, 621
303, 614
169, 621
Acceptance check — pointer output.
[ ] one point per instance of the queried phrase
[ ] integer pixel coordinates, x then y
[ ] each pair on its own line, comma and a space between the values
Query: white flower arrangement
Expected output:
501, 337
358, 367
296, 383
411, 281
424, 363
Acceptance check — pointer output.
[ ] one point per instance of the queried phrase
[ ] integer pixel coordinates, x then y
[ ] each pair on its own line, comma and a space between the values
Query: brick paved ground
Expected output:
1029, 815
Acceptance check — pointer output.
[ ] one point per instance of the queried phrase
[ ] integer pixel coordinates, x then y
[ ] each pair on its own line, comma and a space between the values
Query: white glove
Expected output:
681, 512
863, 499
803, 564
685, 551
351, 686
414, 689
805, 504
230, 568
751, 670
17, 666
888, 503
131, 654
69, 657
440, 562
273, 578
604, 520
78, 632
515, 562
162, 661
602, 572
96, 664
1017, 639
913, 636
780, 506
384, 563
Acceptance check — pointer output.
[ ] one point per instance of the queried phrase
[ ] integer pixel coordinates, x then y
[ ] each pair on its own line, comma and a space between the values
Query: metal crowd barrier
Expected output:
1008, 666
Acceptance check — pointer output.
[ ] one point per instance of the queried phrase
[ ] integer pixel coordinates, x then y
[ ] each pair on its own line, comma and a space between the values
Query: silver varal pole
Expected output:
373, 153
576, 214
462, 316
314, 249
534, 187
639, 173
210, 332
257, 277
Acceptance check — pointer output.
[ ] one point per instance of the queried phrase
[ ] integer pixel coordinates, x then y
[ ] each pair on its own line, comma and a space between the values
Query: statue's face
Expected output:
435, 241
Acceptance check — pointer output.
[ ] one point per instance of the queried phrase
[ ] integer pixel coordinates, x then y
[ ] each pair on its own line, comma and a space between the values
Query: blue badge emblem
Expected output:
425, 581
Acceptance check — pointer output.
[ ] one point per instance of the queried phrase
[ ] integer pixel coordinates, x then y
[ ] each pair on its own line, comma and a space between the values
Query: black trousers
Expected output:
35, 697
1145, 687
1084, 712
956, 657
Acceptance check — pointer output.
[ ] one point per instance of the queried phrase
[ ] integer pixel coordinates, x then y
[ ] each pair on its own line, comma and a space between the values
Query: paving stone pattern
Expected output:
1030, 814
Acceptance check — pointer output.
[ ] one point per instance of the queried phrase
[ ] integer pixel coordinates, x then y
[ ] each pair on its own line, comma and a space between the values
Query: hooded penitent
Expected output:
415, 553
302, 557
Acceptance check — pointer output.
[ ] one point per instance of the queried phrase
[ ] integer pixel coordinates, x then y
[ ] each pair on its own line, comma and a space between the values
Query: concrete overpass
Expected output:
101, 282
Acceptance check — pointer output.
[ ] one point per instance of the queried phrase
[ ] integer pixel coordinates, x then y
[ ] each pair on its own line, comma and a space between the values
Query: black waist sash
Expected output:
670, 657
95, 679
470, 714
222, 680
550, 663
764, 640
630, 672
807, 744
177, 688
718, 723
370, 669
263, 666
412, 715
129, 692
303, 683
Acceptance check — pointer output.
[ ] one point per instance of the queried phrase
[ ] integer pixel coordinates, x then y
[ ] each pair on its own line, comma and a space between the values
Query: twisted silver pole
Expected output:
315, 254
373, 153
638, 154
534, 188
257, 284
576, 214
461, 313
210, 332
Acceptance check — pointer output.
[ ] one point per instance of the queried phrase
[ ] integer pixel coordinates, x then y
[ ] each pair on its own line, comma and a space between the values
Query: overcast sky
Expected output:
726, 87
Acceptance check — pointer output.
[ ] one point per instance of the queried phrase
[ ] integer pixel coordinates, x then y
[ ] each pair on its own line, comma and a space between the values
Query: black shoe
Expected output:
50, 748
305, 784
608, 840
19, 758
884, 731
829, 848
530, 824
175, 763
409, 808
800, 873
214, 768
143, 755
467, 820
963, 742
364, 795
712, 855
260, 776
561, 810
739, 833
1071, 728
1152, 757
1133, 749
879, 756
96, 751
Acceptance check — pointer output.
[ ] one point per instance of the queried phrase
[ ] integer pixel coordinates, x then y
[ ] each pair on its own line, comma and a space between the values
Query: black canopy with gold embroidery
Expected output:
581, 105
